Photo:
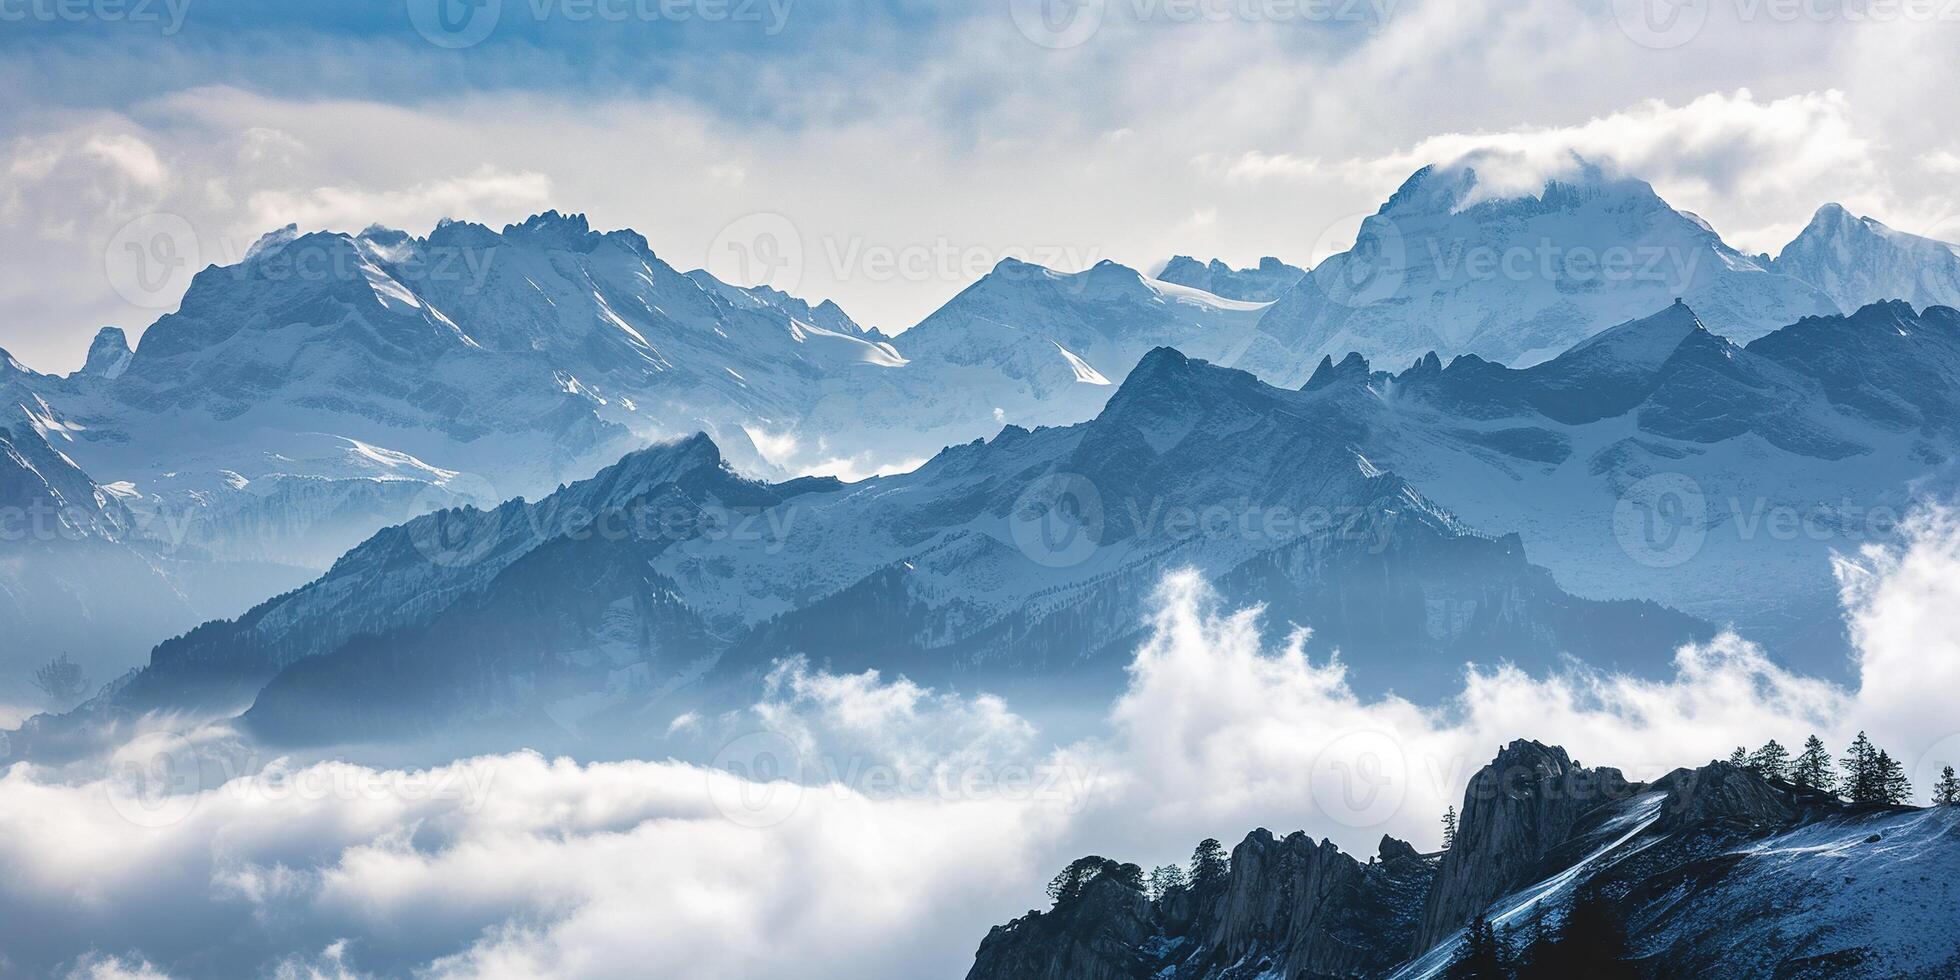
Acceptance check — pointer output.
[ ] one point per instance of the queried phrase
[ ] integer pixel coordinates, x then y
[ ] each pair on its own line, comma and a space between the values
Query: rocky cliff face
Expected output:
1099, 935
1714, 871
1516, 810
1288, 907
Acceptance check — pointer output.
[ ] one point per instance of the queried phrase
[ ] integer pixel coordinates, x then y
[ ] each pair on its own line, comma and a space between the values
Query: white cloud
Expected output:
1901, 607
486, 190
95, 966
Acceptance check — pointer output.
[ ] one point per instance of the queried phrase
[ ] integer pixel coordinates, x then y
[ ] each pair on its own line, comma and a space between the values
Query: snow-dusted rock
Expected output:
1858, 261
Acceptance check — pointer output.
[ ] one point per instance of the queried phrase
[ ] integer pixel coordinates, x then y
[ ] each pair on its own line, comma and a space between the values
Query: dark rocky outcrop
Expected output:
1287, 907
1096, 935
1515, 811
1725, 794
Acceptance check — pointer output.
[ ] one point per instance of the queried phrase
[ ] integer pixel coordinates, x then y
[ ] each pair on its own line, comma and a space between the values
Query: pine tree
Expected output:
1165, 877
1481, 957
1069, 882
1893, 786
1946, 792
62, 680
1812, 769
1208, 863
1772, 761
1592, 943
1739, 758
1525, 961
1449, 828
1861, 776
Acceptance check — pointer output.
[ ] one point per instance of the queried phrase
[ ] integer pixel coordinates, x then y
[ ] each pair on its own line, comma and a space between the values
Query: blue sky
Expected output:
909, 145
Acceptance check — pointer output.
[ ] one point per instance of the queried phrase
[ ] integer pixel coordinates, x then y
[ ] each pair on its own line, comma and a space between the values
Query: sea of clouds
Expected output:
857, 825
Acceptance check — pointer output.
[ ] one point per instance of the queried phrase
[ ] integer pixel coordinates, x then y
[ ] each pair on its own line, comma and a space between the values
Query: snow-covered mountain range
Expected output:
668, 583
473, 365
1655, 462
329, 385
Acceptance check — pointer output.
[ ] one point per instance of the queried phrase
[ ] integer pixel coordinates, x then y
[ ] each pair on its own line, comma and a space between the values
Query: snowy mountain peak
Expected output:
1829, 214
273, 239
108, 354
1168, 392
1353, 367
1518, 263
1640, 345
1261, 284
1858, 260
382, 234
670, 462
1508, 182
554, 230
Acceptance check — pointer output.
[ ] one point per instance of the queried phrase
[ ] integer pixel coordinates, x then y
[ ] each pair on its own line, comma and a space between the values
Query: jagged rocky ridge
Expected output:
1803, 885
1262, 283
